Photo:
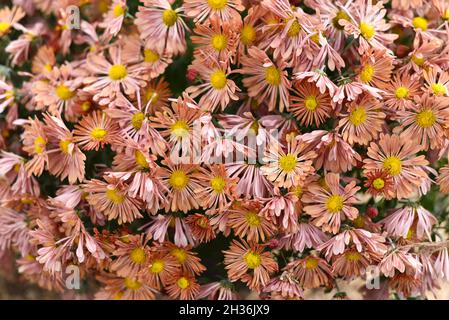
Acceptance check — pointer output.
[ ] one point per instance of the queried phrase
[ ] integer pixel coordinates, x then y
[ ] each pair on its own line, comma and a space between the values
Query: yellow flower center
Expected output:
297, 190
64, 146
63, 92
409, 235
85, 106
217, 4
419, 61
311, 263
48, 67
118, 10
178, 179
438, 89
401, 92
140, 159
445, 15
252, 218
117, 72
247, 35
98, 134
179, 254
294, 29
218, 184
378, 183
39, 144
203, 222
358, 116
341, 15
180, 129
115, 196
254, 127
420, 23
219, 42
273, 75
4, 26
132, 284
169, 17
157, 266
425, 118
218, 79
288, 162
367, 73
137, 120
334, 203
393, 165
152, 95
137, 255
252, 260
118, 296
367, 30
311, 103
353, 256
150, 56
315, 38
183, 283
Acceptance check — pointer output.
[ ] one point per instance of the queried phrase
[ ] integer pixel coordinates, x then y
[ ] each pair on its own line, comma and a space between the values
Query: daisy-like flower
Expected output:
9, 18
217, 188
215, 38
34, 142
181, 181
248, 223
157, 94
367, 24
95, 130
426, 121
224, 10
363, 122
401, 91
397, 156
164, 25
288, 168
376, 67
131, 253
66, 159
111, 198
160, 269
379, 182
201, 228
319, 78
331, 204
186, 258
114, 17
110, 76
265, 80
44, 60
311, 272
252, 181
309, 105
284, 287
436, 82
217, 90
410, 222
183, 286
119, 288
249, 263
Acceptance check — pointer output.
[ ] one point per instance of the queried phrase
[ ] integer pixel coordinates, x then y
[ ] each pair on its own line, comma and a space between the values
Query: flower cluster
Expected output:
223, 149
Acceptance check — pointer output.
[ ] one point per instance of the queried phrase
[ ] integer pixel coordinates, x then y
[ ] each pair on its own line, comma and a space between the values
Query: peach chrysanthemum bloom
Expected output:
159, 22
363, 121
224, 10
187, 259
7, 95
400, 261
131, 254
311, 272
157, 93
379, 182
265, 80
114, 17
288, 168
330, 204
119, 288
44, 60
9, 18
309, 105
426, 121
201, 228
111, 75
400, 92
249, 263
183, 286
397, 155
375, 69
160, 268
111, 198
307, 236
95, 130
436, 82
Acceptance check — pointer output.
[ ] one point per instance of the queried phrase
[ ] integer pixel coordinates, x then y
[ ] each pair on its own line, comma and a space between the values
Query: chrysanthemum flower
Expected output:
249, 263
7, 95
307, 236
157, 94
309, 105
289, 167
363, 122
118, 288
186, 258
376, 67
311, 272
436, 82
400, 261
220, 290
252, 180
284, 287
265, 80
160, 269
114, 17
164, 25
158, 229
9, 18
225, 10
331, 204
401, 91
443, 179
95, 130
201, 228
110, 196
379, 182
183, 286
131, 253
397, 155
44, 60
